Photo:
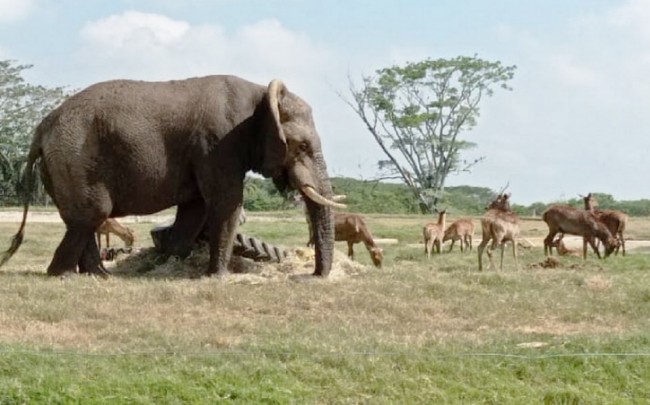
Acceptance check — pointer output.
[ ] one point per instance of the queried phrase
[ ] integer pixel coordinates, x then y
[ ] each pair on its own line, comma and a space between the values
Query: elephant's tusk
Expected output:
319, 199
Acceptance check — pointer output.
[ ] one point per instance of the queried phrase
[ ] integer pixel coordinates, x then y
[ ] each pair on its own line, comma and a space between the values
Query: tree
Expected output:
22, 107
419, 111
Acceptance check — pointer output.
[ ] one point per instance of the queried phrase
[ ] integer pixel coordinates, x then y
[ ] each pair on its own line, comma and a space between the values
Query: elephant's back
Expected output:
171, 95
135, 108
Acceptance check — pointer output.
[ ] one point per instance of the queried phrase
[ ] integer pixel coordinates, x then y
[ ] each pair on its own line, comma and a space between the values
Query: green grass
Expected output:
416, 331
574, 373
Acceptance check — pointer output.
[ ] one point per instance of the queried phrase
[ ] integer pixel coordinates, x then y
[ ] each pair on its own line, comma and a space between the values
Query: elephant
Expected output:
126, 147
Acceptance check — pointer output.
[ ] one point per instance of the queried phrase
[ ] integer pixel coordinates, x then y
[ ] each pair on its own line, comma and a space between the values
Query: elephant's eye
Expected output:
304, 147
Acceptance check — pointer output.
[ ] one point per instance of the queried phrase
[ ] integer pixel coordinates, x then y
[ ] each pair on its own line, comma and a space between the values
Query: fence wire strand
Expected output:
218, 353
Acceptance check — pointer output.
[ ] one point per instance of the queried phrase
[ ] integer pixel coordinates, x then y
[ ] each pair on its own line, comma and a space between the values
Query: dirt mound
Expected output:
297, 266
550, 263
554, 263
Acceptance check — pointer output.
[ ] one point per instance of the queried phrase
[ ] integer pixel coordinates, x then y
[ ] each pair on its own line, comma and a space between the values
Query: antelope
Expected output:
433, 234
352, 229
500, 225
562, 250
112, 226
566, 219
615, 221
460, 230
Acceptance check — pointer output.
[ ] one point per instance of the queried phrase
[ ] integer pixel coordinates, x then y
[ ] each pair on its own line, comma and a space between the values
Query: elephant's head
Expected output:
291, 154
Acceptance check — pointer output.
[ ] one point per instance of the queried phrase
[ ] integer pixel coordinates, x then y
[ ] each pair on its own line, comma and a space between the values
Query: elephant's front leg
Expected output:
222, 226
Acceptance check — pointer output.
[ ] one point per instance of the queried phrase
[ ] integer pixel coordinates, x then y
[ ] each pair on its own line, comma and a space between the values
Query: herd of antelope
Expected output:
499, 225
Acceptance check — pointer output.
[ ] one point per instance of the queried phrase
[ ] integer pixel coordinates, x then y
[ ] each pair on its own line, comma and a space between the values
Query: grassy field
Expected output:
415, 331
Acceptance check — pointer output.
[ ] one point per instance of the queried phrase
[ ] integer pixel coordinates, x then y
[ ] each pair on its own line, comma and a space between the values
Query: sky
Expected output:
575, 122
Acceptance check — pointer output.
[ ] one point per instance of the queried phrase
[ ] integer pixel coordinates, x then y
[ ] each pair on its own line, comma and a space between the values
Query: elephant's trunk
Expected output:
321, 218
322, 222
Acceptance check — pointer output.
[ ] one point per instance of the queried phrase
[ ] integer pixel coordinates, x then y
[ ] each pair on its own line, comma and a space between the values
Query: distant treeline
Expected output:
391, 198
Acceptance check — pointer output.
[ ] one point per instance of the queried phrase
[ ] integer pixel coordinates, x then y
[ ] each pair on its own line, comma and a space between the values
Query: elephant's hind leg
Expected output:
69, 251
90, 262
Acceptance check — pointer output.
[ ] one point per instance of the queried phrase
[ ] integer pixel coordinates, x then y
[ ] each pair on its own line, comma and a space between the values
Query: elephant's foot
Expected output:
70, 250
56, 271
100, 272
220, 273
90, 262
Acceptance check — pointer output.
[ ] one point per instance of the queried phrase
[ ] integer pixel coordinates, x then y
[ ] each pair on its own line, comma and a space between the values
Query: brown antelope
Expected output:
566, 219
433, 234
615, 221
353, 229
461, 230
112, 226
500, 225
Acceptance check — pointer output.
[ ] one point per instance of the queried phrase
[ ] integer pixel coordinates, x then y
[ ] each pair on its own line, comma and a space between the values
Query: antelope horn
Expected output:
319, 199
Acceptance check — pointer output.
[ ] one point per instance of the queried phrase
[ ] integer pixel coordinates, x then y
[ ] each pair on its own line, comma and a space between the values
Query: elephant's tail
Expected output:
28, 182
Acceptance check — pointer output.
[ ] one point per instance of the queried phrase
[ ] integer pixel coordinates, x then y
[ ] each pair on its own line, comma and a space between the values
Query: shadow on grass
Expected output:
25, 273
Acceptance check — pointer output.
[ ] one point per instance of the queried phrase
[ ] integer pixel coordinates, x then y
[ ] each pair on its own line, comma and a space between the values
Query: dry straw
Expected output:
297, 266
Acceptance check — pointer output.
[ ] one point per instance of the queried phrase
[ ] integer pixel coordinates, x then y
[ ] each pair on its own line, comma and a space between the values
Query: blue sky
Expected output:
575, 122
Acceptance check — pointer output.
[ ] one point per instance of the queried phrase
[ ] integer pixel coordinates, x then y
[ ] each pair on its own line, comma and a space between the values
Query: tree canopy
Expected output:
418, 111
22, 107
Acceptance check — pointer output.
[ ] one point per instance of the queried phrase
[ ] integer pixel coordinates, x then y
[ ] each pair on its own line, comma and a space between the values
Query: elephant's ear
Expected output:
275, 143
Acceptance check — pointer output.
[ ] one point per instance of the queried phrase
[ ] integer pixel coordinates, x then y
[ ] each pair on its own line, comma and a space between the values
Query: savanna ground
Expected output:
415, 331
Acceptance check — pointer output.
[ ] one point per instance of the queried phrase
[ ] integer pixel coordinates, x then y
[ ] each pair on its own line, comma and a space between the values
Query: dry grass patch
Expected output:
598, 282
557, 327
412, 302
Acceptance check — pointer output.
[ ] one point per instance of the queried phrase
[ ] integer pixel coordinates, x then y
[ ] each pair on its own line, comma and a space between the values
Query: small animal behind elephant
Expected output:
112, 226
352, 229
127, 147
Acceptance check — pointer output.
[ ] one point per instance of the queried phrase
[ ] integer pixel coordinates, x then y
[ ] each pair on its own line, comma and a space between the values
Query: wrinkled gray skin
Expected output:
134, 148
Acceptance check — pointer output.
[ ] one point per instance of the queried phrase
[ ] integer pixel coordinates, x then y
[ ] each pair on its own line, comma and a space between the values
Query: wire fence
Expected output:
289, 354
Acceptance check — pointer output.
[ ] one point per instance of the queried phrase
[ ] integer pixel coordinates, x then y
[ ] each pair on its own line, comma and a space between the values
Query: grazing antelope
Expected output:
112, 226
433, 234
565, 219
461, 230
562, 250
615, 221
353, 229
500, 225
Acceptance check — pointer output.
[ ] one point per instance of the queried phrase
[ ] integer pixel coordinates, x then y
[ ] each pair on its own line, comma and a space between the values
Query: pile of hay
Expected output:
297, 266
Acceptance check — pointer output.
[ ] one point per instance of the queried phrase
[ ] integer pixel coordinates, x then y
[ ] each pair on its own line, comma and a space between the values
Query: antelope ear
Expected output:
274, 149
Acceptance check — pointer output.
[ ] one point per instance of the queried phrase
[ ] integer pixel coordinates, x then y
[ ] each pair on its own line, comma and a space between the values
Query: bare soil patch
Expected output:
54, 217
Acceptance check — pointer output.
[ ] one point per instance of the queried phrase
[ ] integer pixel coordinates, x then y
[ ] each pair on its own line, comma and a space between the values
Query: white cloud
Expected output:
633, 15
154, 47
574, 73
14, 10
133, 29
